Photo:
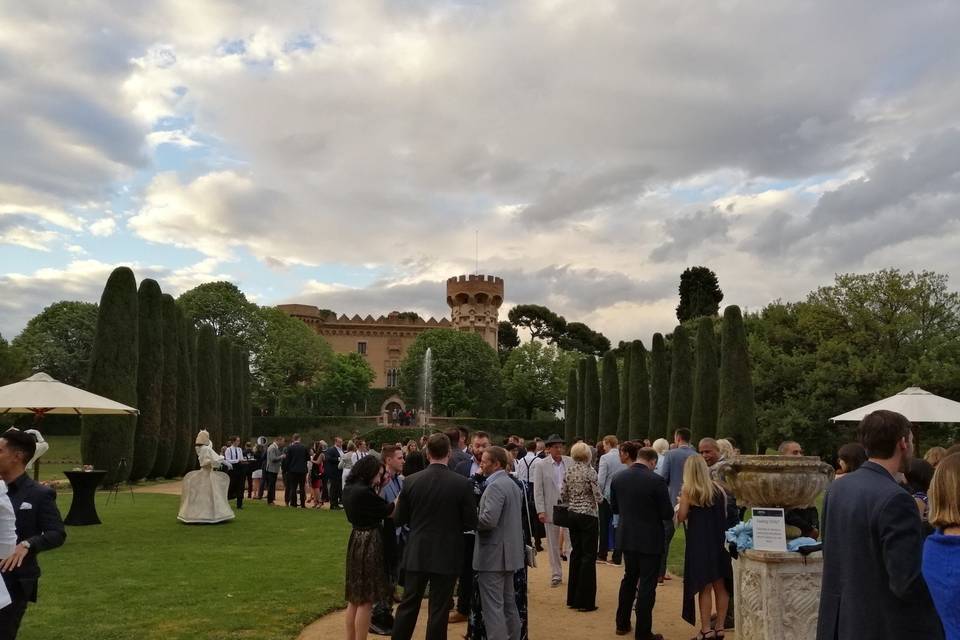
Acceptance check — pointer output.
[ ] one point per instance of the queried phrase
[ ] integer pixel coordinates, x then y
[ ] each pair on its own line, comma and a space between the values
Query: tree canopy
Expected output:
507, 337
544, 324
13, 366
224, 307
344, 382
535, 377
59, 341
700, 294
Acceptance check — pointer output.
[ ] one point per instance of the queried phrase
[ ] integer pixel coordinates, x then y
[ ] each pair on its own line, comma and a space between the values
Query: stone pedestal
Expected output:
777, 595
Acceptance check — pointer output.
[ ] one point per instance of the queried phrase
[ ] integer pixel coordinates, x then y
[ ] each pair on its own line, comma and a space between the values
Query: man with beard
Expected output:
873, 544
469, 468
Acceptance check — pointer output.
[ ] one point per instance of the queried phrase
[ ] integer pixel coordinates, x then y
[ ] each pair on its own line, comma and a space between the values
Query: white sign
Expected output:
769, 531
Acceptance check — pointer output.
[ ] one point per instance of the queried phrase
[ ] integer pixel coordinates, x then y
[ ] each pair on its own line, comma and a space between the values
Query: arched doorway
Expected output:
391, 408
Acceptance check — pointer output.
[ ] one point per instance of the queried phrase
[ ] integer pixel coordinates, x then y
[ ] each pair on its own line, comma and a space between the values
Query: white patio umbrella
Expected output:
914, 403
41, 395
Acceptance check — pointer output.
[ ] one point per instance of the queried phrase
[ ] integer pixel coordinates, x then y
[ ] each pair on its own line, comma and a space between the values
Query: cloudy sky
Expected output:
345, 154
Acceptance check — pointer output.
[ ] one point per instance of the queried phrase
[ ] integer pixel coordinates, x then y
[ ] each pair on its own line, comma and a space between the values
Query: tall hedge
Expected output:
183, 439
208, 384
571, 407
581, 397
195, 426
681, 382
227, 415
149, 379
591, 411
237, 404
609, 397
246, 406
659, 389
737, 409
639, 421
623, 420
706, 382
106, 440
168, 390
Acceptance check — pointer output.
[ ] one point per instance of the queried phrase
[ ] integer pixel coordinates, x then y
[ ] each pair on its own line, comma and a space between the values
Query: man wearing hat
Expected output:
547, 477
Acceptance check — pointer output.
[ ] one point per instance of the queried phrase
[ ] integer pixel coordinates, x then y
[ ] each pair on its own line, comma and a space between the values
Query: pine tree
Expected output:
183, 438
149, 379
706, 382
208, 384
609, 397
570, 408
681, 382
106, 440
623, 420
737, 409
639, 424
591, 412
659, 389
227, 427
168, 391
581, 398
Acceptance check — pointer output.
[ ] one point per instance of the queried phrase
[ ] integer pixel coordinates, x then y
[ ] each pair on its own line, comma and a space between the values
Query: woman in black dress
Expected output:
706, 568
366, 581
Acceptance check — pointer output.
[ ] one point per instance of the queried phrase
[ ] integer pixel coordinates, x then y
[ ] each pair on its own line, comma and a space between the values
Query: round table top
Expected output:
94, 472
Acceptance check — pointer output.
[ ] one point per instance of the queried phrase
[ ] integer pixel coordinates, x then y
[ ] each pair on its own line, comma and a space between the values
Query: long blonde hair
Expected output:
944, 493
701, 489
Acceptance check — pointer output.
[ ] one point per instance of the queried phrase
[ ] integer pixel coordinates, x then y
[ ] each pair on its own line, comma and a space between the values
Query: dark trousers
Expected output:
640, 573
237, 475
606, 518
270, 478
12, 614
334, 487
296, 489
249, 480
582, 580
465, 588
668, 530
414, 586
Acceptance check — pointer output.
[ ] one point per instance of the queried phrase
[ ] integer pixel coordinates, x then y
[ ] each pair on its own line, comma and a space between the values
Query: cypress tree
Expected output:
192, 334
106, 440
639, 423
737, 411
623, 421
609, 397
706, 382
149, 379
581, 398
208, 384
247, 406
227, 414
238, 394
659, 389
681, 382
168, 390
591, 412
570, 408
182, 441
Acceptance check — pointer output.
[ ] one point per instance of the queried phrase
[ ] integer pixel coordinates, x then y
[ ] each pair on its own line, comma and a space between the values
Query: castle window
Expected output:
393, 377
362, 348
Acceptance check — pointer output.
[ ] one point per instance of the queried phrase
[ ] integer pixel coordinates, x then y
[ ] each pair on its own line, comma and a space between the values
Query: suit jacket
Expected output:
545, 490
273, 458
641, 499
872, 550
610, 466
331, 460
464, 466
499, 539
438, 506
673, 469
457, 457
297, 456
39, 523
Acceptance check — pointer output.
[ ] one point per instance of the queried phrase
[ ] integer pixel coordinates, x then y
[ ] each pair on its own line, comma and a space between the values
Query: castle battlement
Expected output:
311, 315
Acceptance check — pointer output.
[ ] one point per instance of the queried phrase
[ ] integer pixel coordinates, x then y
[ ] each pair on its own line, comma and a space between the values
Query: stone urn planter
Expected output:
791, 482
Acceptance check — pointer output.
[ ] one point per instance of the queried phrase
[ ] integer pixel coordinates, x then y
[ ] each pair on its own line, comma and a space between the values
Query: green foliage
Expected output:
591, 407
345, 382
246, 407
13, 366
579, 337
208, 383
238, 385
706, 382
659, 389
681, 382
623, 420
59, 341
534, 376
639, 422
328, 426
466, 372
225, 308
167, 434
581, 396
149, 379
186, 385
228, 427
105, 440
737, 412
609, 397
541, 322
507, 337
570, 408
700, 294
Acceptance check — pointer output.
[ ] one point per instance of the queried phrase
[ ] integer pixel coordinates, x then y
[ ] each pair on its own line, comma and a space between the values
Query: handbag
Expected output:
561, 515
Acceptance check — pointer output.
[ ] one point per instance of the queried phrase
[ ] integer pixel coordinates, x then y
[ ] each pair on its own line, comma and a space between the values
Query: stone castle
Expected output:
474, 303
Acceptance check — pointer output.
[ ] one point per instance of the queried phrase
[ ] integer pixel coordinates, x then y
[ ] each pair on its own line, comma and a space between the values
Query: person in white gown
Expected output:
203, 498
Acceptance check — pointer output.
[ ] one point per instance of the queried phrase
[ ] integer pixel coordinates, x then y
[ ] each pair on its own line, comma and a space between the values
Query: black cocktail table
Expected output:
83, 511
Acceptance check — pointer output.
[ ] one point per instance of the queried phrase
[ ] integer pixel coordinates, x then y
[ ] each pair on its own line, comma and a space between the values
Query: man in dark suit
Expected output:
873, 544
296, 459
39, 527
640, 498
331, 469
469, 468
438, 506
457, 455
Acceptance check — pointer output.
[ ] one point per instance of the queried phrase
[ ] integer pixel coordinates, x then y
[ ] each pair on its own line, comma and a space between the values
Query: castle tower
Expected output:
474, 303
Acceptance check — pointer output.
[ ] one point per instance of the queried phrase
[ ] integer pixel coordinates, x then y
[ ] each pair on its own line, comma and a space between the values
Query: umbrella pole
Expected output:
37, 419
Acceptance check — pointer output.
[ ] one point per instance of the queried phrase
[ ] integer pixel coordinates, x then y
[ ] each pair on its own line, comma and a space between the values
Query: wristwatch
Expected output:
25, 544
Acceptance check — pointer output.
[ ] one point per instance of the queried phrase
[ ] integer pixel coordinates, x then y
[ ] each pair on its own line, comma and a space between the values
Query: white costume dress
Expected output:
203, 499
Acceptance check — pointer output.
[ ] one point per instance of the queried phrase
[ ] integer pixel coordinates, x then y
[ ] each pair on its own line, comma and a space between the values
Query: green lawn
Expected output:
142, 574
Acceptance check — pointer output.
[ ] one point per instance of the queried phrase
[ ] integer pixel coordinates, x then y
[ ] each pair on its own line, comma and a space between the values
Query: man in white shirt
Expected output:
522, 466
234, 455
609, 466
